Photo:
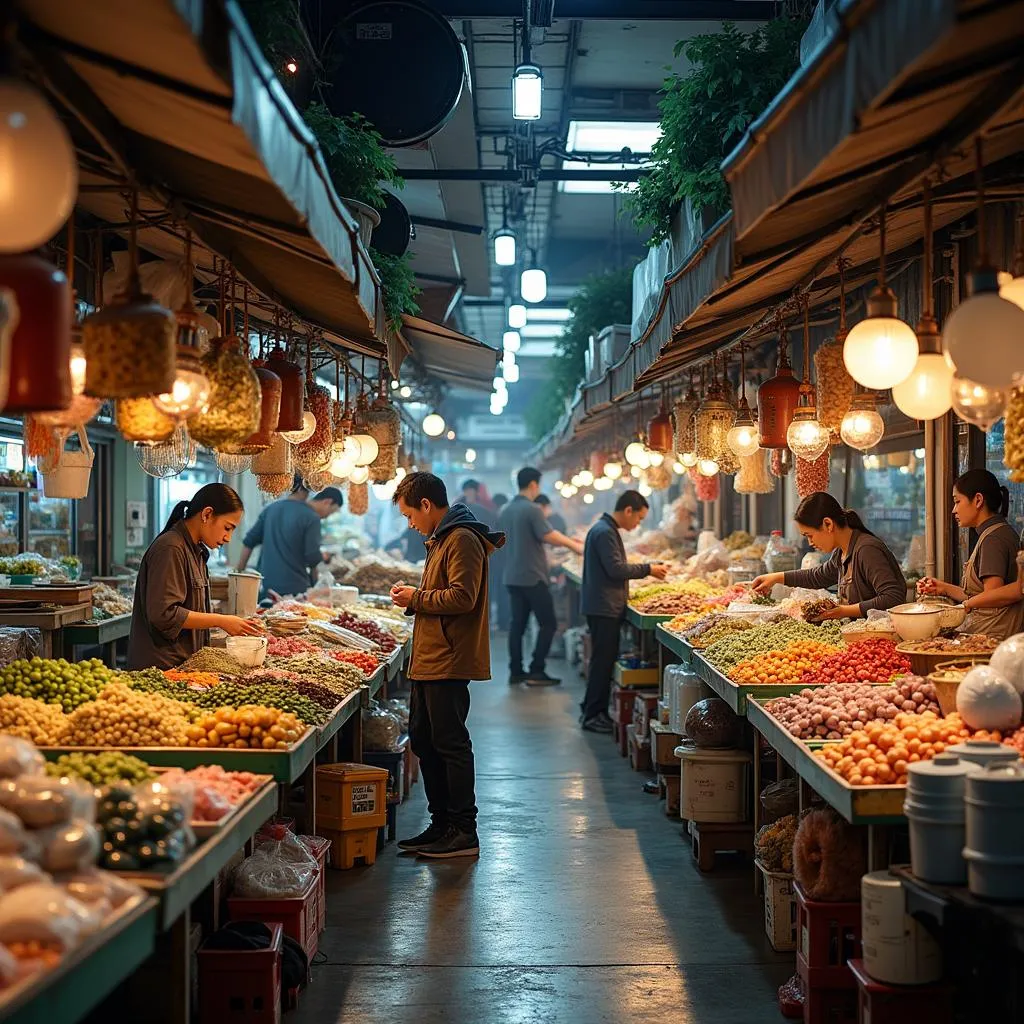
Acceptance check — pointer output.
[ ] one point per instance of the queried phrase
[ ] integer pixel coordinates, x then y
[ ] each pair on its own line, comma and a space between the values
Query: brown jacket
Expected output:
450, 637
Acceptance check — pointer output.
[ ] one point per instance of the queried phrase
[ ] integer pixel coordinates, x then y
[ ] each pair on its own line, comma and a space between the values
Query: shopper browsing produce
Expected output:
865, 570
989, 588
603, 596
171, 616
288, 532
449, 648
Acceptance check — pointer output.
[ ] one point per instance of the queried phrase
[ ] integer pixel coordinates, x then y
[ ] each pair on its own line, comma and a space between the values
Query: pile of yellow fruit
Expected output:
123, 717
784, 667
247, 727
31, 719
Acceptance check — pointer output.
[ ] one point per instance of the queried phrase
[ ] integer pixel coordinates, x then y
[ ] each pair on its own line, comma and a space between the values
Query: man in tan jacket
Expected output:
450, 647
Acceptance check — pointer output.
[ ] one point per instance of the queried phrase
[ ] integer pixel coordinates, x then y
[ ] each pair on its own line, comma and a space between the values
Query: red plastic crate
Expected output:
297, 915
828, 934
241, 986
321, 849
830, 1006
901, 1004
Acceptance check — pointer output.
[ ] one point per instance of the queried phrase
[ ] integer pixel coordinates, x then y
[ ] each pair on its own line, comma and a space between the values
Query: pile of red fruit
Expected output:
366, 662
364, 627
870, 661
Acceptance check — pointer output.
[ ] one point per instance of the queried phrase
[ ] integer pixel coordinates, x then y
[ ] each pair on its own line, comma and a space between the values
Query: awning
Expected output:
902, 85
178, 93
455, 359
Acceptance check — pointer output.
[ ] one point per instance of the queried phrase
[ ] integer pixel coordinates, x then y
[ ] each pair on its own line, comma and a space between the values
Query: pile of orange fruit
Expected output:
784, 667
880, 753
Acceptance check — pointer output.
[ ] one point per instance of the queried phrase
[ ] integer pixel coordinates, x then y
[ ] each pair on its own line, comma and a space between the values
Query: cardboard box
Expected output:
663, 748
639, 752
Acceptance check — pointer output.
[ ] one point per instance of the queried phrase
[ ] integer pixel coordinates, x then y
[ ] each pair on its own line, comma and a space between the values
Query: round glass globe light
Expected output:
635, 472
645, 489
588, 499
927, 393
983, 337
707, 467
602, 483
368, 448
743, 439
384, 492
678, 468
655, 458
586, 477
341, 466
688, 459
189, 394
304, 433
807, 438
359, 475
880, 352
612, 470
862, 428
38, 168
575, 480
433, 424
77, 367
636, 455
974, 403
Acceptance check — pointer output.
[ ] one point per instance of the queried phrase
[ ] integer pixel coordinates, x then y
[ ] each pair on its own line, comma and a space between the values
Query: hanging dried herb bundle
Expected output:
315, 454
753, 476
358, 499
233, 414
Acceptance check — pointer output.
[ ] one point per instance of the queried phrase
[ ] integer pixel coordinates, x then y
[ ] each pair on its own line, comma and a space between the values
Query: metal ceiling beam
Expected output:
445, 225
618, 10
499, 175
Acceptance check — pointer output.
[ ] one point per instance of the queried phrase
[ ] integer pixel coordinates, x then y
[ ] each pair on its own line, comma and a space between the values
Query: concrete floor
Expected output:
585, 905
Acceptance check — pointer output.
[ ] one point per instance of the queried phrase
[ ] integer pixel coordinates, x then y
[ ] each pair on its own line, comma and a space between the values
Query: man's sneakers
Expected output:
454, 843
599, 723
541, 679
431, 834
515, 678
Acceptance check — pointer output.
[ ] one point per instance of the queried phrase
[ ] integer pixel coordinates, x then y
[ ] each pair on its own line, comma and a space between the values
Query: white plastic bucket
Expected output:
244, 593
715, 784
897, 950
995, 832
68, 477
934, 807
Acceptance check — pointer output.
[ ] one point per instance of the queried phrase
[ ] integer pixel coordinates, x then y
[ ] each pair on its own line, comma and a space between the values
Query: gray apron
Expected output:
997, 622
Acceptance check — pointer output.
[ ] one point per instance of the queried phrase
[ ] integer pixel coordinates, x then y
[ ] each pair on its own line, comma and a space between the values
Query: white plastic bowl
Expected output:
916, 621
248, 651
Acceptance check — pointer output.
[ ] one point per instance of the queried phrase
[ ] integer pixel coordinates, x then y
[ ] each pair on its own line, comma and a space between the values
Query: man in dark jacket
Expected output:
603, 597
450, 646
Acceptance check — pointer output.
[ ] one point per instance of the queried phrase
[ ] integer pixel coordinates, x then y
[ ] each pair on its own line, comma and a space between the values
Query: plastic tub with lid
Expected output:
984, 752
715, 784
995, 832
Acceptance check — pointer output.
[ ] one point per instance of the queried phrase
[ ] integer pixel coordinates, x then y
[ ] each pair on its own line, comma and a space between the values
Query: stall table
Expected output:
103, 633
645, 626
49, 620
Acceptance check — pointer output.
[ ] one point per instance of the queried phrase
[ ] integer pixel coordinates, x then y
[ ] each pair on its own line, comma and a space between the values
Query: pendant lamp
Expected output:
293, 420
713, 421
862, 426
805, 436
685, 441
927, 393
742, 438
881, 350
777, 399
976, 404
636, 454
659, 430
984, 336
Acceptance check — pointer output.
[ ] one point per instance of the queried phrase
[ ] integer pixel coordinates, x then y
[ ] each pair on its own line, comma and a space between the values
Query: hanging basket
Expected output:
68, 476
753, 476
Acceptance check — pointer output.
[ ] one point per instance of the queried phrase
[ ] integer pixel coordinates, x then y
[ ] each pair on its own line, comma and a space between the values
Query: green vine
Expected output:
733, 76
398, 285
602, 300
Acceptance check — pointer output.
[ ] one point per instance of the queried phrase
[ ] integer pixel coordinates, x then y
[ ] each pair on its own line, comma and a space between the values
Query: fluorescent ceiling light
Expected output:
536, 350
505, 248
541, 331
612, 136
548, 313
517, 315
527, 89
593, 188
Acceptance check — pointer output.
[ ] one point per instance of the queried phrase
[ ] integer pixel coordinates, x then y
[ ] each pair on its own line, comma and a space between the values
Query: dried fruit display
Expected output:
785, 667
753, 476
812, 476
870, 661
835, 387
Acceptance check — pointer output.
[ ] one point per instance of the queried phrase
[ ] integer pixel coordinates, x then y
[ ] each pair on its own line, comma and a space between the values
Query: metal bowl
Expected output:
916, 621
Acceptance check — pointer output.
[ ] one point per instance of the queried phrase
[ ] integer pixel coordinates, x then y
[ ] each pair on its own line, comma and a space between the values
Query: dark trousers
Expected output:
604, 651
536, 599
439, 737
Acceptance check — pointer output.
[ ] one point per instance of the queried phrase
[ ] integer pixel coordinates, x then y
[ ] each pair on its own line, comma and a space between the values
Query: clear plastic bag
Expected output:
19, 757
17, 643
16, 871
41, 801
69, 847
44, 912
14, 839
381, 729
279, 868
93, 887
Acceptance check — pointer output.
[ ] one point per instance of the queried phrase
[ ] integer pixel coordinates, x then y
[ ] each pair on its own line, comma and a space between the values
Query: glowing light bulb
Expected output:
588, 499
688, 459
602, 483
927, 393
433, 424
341, 466
743, 439
881, 350
862, 427
405, 391
586, 477
707, 467
678, 468
516, 316
77, 369
470, 455
359, 475
655, 458
189, 395
977, 404
304, 433
613, 470
807, 438
635, 472
511, 341
636, 455
645, 489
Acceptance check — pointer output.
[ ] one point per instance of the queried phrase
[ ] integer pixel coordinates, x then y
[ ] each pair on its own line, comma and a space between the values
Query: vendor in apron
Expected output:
989, 590
863, 569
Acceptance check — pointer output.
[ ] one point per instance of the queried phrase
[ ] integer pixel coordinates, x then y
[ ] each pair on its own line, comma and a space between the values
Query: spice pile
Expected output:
728, 652
785, 667
871, 661
673, 598
962, 643
215, 660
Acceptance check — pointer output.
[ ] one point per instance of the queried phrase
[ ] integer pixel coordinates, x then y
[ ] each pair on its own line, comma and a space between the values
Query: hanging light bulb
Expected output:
612, 469
359, 475
362, 448
654, 458
586, 478
533, 285
635, 472
678, 468
713, 420
983, 336
77, 366
645, 489
976, 404
39, 170
470, 455
433, 424
806, 436
516, 316
505, 248
341, 466
405, 391
233, 465
511, 341
688, 459
384, 492
743, 437
511, 373
862, 427
881, 350
707, 467
588, 499
450, 436
637, 455
928, 392
307, 431
602, 483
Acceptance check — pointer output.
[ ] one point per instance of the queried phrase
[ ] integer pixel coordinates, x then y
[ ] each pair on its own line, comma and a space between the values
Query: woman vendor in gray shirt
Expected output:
171, 616
864, 569
989, 588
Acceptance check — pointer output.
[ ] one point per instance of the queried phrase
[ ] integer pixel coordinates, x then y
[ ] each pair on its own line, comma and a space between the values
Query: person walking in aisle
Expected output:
450, 647
471, 499
603, 597
526, 577
555, 519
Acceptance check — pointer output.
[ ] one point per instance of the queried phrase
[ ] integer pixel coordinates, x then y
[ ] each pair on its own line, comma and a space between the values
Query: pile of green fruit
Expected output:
728, 652
104, 769
65, 683
141, 834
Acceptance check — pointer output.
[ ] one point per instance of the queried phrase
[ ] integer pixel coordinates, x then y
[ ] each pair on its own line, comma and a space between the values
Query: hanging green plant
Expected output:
398, 285
733, 76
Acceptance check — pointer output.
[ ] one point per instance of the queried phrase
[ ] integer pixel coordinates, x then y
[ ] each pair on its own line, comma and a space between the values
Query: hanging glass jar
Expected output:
40, 345
713, 421
293, 392
275, 460
270, 407
753, 476
777, 399
812, 476
315, 454
138, 419
358, 499
233, 414
1013, 431
685, 439
274, 484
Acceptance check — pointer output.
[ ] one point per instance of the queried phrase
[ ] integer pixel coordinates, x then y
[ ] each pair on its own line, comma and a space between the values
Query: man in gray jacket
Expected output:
603, 597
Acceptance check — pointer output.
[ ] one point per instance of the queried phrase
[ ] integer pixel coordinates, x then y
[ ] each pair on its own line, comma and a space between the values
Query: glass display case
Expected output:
51, 525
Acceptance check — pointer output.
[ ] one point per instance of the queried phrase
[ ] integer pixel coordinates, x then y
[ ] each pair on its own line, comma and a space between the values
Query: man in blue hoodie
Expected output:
450, 647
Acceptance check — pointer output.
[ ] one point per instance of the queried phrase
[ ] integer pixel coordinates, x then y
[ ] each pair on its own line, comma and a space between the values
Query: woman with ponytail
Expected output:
989, 588
171, 617
864, 569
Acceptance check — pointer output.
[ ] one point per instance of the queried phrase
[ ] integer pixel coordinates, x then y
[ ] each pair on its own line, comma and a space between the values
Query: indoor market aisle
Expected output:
585, 905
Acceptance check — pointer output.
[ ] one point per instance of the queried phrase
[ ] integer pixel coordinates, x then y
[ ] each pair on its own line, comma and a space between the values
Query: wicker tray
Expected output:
924, 663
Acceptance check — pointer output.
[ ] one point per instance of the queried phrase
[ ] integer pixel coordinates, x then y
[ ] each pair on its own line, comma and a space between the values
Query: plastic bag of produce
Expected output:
711, 723
400, 710
41, 801
15, 871
780, 799
19, 757
69, 847
381, 729
14, 839
1008, 661
146, 826
44, 912
17, 643
94, 887
276, 869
